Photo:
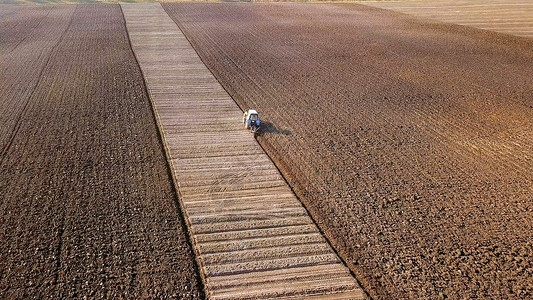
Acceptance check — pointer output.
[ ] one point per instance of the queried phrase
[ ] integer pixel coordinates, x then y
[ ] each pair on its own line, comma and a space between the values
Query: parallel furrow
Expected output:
245, 221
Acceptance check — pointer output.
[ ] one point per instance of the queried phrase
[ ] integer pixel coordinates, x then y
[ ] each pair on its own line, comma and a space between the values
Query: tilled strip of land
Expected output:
27, 37
409, 142
505, 16
252, 237
87, 207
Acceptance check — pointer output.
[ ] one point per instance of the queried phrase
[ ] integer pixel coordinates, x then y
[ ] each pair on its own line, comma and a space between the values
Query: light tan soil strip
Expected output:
512, 17
252, 237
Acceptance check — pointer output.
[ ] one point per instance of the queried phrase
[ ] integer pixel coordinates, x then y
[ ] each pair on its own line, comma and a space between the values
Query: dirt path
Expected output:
409, 142
87, 207
252, 237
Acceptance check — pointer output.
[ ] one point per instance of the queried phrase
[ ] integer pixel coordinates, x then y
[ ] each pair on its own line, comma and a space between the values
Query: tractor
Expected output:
251, 121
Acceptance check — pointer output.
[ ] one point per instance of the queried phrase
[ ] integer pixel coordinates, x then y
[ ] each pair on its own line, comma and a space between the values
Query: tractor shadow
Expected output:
269, 128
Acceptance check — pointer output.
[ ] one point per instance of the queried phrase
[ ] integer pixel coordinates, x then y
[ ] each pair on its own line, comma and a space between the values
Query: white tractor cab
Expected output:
251, 121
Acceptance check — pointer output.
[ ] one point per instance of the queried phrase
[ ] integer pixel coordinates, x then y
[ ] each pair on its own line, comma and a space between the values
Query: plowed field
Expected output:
409, 142
87, 207
507, 16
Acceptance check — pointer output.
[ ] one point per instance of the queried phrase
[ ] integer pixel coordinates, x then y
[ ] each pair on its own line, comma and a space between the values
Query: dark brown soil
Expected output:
27, 37
87, 207
409, 142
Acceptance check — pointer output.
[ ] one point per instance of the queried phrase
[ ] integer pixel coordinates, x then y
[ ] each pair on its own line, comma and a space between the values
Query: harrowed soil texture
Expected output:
87, 207
409, 142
